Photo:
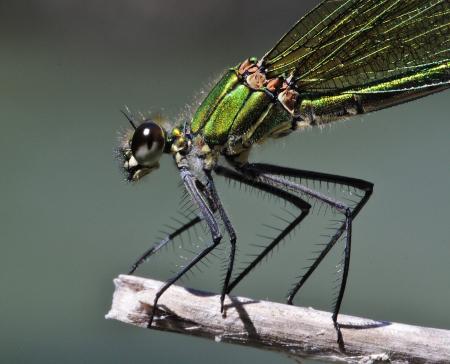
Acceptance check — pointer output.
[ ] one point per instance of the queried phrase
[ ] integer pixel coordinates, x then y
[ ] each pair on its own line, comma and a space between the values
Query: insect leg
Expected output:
231, 232
196, 195
155, 248
302, 205
271, 174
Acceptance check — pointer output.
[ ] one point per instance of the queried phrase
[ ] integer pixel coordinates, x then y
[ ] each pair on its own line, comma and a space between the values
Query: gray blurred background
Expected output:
69, 224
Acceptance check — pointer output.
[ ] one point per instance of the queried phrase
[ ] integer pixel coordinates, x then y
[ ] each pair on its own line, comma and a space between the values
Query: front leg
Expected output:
231, 233
162, 243
207, 214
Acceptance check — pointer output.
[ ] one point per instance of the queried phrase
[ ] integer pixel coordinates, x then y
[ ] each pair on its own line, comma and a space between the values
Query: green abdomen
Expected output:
236, 116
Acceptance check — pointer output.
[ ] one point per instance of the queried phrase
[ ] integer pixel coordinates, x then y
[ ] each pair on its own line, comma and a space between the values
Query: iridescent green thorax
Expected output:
204, 111
243, 108
216, 129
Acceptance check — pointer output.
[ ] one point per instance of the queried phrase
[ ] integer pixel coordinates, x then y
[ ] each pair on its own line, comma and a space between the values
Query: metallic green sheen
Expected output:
217, 127
251, 111
209, 104
342, 105
275, 122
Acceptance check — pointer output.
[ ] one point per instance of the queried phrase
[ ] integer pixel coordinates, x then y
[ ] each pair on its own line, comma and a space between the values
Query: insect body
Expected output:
344, 58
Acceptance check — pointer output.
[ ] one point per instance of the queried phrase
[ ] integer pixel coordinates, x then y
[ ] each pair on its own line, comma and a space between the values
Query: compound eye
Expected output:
147, 143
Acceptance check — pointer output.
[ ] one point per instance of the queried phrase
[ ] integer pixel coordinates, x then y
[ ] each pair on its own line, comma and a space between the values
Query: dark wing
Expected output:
350, 44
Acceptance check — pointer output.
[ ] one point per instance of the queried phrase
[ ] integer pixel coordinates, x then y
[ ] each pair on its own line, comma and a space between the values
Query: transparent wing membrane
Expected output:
353, 44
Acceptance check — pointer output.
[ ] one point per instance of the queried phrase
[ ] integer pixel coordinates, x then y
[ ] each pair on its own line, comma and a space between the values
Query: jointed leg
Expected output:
155, 248
271, 175
171, 281
232, 234
194, 191
295, 200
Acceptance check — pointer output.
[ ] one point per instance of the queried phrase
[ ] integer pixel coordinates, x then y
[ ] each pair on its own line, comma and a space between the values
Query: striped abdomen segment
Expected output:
324, 109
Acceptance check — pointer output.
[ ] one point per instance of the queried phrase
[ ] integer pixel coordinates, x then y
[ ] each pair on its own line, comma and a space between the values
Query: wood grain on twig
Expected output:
295, 331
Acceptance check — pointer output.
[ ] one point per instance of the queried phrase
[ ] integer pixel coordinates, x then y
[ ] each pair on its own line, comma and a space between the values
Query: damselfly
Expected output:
344, 58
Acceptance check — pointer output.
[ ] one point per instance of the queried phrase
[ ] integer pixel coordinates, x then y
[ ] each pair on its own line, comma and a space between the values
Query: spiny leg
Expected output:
193, 188
155, 248
231, 232
321, 256
302, 205
171, 281
270, 173
337, 307
345, 227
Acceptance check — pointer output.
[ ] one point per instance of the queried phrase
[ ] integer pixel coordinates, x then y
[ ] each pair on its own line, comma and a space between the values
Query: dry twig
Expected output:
295, 331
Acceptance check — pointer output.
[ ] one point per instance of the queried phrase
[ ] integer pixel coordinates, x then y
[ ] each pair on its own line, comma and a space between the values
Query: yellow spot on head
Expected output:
180, 141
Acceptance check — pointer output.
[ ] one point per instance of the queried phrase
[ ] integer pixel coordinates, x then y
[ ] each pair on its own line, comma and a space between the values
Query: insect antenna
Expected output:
129, 118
